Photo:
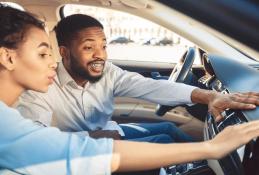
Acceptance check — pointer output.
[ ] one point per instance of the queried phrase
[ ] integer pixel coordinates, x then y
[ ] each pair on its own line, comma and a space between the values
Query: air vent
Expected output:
255, 66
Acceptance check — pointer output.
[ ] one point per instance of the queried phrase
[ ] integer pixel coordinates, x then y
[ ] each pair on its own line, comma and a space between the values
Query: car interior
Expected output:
213, 61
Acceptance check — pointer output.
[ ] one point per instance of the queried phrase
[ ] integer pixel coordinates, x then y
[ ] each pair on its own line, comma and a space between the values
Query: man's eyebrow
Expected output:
44, 44
89, 39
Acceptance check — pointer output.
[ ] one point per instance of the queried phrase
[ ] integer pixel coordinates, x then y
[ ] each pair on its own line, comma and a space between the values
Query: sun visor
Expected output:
139, 4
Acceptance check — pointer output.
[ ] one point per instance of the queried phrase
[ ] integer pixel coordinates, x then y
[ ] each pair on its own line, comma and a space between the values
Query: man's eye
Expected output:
104, 47
88, 48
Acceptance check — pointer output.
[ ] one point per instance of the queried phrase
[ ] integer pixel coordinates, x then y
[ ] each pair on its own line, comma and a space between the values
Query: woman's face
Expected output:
34, 65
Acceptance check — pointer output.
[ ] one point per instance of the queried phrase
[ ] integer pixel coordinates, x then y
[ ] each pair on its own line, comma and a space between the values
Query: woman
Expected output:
27, 148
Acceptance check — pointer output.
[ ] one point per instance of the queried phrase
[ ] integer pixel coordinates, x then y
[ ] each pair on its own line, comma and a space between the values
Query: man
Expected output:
81, 98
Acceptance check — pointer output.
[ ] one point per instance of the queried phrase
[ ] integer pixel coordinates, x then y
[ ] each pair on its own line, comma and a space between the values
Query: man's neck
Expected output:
80, 82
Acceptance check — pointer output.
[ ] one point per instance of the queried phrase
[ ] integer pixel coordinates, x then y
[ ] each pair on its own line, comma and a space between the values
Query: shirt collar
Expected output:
63, 75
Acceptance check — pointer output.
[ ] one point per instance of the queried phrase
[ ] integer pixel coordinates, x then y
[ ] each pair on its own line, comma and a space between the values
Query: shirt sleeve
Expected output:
81, 133
28, 148
163, 92
33, 106
113, 125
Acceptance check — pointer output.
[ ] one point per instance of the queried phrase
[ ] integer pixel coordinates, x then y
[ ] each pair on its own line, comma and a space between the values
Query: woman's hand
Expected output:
232, 138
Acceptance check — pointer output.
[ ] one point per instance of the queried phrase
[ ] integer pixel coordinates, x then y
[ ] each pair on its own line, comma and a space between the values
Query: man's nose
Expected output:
100, 53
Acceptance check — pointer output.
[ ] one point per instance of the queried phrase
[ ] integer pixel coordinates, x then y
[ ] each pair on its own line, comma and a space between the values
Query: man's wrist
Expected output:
203, 96
211, 96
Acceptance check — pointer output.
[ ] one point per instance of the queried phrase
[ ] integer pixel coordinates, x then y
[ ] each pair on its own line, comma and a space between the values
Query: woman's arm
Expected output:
133, 156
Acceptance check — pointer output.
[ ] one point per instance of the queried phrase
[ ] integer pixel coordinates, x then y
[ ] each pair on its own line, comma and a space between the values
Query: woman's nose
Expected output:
53, 65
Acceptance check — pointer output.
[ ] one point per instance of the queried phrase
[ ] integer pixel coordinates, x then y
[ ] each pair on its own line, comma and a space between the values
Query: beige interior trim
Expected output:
139, 4
130, 107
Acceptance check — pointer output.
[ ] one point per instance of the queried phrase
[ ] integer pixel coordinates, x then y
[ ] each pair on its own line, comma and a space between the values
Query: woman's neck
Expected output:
9, 93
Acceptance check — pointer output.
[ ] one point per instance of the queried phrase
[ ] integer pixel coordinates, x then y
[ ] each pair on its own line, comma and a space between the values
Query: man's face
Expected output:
87, 54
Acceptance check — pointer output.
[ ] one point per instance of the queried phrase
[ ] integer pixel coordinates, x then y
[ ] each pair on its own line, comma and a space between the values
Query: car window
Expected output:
133, 38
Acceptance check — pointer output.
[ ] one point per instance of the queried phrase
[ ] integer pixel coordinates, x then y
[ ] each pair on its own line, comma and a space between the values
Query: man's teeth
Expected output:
97, 65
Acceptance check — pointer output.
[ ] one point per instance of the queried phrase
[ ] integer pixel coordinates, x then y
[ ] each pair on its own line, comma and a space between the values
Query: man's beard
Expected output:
79, 70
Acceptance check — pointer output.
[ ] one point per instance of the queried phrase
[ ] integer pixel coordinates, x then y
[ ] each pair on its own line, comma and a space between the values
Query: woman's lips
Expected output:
51, 78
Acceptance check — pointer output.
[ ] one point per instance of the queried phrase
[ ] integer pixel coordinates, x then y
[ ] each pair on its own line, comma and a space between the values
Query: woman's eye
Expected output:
104, 47
44, 55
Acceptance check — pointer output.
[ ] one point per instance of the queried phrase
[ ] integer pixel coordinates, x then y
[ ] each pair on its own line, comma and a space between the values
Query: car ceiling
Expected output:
48, 9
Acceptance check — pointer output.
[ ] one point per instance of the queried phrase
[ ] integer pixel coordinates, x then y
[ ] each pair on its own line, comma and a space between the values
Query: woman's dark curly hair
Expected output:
14, 24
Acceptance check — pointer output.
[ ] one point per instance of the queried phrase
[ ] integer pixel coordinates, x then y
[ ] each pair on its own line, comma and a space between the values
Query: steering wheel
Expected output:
179, 74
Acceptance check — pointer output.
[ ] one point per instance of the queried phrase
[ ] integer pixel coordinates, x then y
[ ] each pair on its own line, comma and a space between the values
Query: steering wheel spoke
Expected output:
179, 74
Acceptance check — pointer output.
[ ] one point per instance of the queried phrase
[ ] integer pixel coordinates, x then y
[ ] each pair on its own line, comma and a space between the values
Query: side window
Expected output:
133, 38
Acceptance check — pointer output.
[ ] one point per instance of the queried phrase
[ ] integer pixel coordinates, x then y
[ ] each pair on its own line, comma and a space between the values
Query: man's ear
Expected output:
7, 58
63, 52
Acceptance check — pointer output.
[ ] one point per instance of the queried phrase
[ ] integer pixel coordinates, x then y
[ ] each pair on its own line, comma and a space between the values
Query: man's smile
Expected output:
97, 66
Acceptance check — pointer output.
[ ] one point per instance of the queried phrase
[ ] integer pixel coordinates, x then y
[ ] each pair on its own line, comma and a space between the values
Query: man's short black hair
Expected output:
14, 25
68, 27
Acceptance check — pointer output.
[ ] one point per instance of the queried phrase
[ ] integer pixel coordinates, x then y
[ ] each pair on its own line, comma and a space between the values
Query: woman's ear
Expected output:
7, 58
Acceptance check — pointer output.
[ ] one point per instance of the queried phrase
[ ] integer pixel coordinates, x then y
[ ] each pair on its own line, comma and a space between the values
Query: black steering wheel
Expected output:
179, 74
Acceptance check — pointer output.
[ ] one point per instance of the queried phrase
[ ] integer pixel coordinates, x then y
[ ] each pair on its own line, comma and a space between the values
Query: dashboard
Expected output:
226, 76
232, 163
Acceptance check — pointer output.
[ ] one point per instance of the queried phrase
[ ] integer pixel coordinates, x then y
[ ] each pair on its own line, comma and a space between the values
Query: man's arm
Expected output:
114, 134
170, 93
164, 92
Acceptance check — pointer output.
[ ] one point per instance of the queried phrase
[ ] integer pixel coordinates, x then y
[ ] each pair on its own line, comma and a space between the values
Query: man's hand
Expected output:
218, 102
114, 134
221, 102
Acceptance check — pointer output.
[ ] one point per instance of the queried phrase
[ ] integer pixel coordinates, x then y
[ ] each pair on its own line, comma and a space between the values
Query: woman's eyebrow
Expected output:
44, 44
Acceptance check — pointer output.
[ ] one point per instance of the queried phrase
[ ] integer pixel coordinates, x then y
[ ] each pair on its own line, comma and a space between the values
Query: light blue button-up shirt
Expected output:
74, 108
28, 148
